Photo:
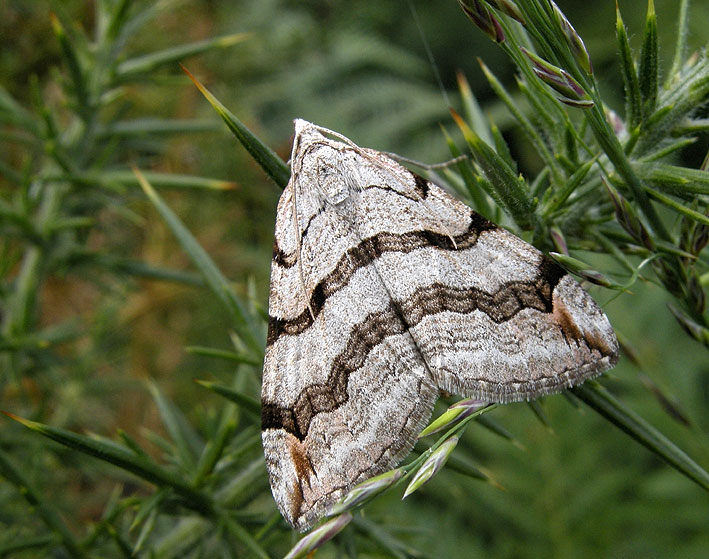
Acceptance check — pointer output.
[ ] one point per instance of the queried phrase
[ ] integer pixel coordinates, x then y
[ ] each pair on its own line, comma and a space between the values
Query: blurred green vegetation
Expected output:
577, 488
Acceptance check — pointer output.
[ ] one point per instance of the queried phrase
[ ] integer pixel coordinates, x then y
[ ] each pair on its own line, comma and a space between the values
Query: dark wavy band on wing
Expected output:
500, 306
364, 254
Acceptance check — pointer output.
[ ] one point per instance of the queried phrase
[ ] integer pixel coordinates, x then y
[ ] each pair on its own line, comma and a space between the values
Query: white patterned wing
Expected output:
384, 291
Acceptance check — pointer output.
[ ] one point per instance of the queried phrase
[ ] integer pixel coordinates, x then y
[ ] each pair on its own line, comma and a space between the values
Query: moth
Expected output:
385, 292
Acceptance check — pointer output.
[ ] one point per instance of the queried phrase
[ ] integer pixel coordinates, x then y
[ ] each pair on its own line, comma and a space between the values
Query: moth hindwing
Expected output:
386, 290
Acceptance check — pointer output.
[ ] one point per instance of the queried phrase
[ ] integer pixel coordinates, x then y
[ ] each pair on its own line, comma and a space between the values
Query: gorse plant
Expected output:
609, 192
65, 169
69, 163
632, 156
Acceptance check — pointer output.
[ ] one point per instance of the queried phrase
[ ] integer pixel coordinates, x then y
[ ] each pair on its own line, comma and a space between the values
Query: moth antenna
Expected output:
394, 175
298, 246
427, 166
337, 135
394, 156
386, 168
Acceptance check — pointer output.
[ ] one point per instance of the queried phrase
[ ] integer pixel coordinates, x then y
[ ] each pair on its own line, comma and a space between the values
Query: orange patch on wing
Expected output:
563, 319
303, 471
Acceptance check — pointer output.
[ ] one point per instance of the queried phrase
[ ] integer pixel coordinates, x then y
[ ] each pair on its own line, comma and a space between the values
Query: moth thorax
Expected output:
337, 175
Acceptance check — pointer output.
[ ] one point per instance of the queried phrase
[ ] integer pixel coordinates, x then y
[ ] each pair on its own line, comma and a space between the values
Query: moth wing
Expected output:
492, 316
385, 289
345, 390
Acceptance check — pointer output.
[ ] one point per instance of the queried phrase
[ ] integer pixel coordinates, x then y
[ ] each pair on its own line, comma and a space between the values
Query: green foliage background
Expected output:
574, 488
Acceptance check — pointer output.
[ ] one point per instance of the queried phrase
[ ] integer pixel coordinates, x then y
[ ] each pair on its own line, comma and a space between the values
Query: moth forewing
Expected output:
385, 290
